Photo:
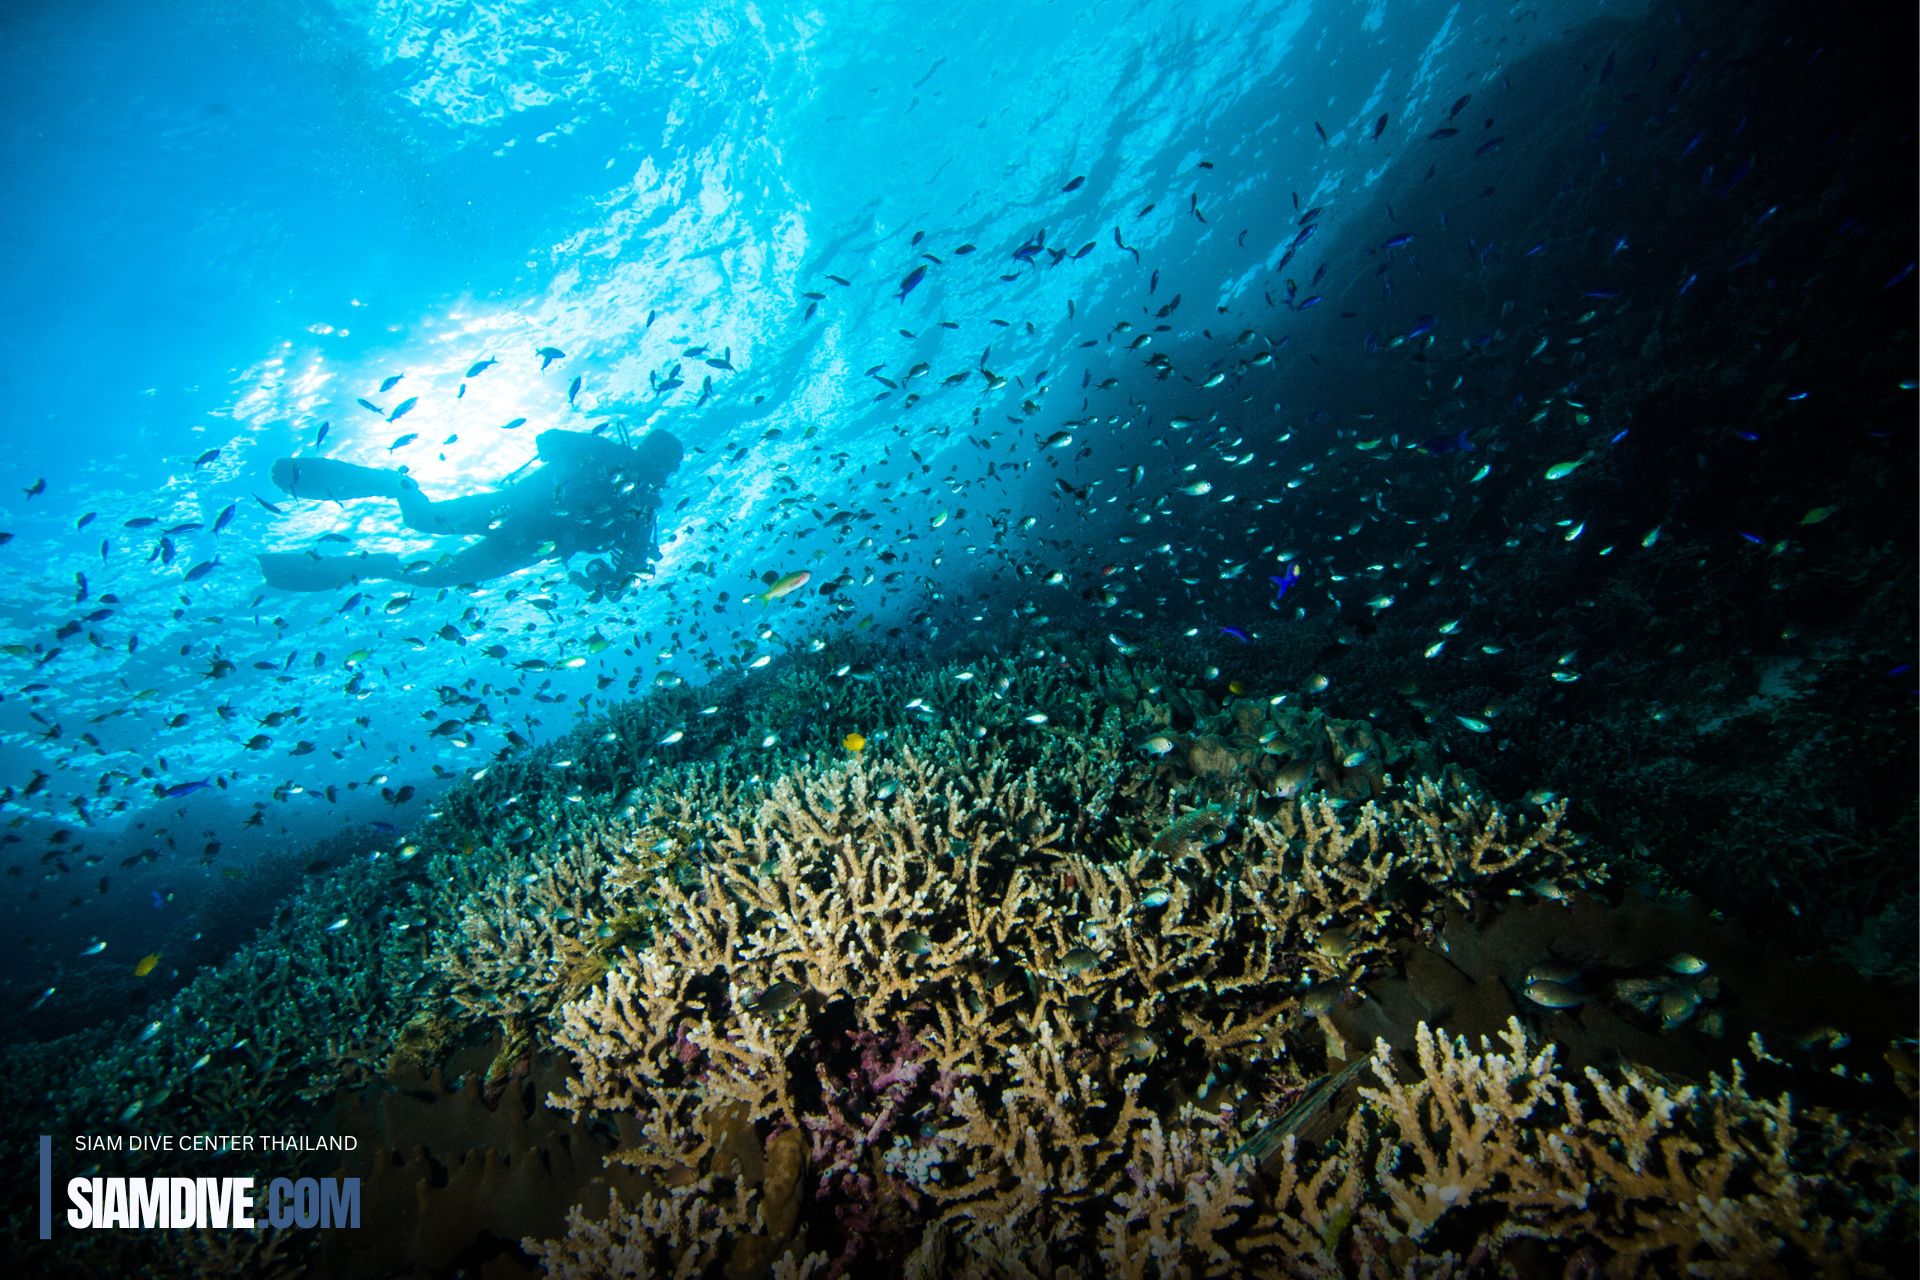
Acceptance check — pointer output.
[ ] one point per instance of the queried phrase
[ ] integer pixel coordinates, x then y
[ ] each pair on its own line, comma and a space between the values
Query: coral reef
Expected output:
313, 1003
1632, 1173
915, 960
1068, 969
1472, 1160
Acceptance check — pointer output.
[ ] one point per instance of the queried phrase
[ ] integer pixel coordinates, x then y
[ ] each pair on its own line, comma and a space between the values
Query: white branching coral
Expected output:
690, 1230
1658, 1179
958, 975
1454, 1123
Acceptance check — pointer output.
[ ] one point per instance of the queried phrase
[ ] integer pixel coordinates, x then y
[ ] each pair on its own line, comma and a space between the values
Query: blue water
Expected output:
227, 223
230, 221
1324, 399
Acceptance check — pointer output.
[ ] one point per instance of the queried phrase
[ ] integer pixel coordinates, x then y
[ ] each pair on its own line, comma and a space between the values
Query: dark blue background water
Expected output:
227, 223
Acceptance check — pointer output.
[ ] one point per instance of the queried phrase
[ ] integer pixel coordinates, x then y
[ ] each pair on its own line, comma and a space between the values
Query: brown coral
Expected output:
979, 930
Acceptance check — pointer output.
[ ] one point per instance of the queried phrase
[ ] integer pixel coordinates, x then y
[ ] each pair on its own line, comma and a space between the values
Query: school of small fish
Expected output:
1257, 387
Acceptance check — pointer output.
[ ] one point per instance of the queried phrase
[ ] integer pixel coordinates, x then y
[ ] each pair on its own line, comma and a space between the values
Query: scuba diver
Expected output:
586, 495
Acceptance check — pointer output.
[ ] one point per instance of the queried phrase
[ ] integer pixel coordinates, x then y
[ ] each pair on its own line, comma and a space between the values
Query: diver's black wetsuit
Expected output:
587, 495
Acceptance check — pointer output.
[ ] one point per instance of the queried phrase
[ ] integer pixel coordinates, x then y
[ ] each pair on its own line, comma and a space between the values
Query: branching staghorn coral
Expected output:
497, 966
1438, 1174
872, 902
1018, 989
687, 1231
529, 927
938, 952
1652, 1178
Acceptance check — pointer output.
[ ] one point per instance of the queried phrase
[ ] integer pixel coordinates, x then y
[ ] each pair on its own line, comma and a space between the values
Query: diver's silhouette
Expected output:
586, 495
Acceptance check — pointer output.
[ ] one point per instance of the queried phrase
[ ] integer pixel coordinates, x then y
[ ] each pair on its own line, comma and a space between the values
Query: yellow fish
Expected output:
854, 742
783, 586
146, 965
